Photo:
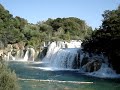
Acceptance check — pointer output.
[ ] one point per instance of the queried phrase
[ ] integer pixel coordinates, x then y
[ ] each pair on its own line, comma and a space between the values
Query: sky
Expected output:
40, 10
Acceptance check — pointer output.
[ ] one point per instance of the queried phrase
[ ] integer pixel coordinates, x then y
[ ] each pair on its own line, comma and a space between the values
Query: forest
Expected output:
17, 29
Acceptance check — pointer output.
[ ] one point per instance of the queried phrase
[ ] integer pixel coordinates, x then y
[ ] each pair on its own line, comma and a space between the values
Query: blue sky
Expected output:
39, 10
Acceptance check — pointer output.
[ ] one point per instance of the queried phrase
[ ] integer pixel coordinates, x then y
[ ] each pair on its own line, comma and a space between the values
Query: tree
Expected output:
8, 79
106, 38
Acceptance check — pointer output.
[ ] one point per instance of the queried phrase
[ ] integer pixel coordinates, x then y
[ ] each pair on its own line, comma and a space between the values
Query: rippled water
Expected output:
36, 76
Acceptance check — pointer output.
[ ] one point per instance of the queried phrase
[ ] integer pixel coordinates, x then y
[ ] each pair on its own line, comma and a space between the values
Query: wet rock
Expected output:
43, 53
15, 46
84, 61
14, 52
92, 64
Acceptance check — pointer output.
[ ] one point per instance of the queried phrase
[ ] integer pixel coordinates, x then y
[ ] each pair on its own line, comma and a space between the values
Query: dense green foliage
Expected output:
69, 28
17, 29
10, 28
8, 79
106, 39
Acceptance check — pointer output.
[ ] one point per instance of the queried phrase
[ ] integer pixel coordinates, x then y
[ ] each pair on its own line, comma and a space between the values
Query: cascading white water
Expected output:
29, 55
104, 72
61, 55
64, 58
8, 57
26, 56
20, 55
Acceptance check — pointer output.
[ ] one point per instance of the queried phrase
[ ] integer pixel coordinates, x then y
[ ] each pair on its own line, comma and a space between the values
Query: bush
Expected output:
8, 79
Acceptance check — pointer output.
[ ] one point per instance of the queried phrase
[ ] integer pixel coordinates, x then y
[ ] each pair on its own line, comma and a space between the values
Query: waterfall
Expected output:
8, 57
62, 55
104, 72
29, 55
26, 56
55, 46
64, 58
20, 55
96, 65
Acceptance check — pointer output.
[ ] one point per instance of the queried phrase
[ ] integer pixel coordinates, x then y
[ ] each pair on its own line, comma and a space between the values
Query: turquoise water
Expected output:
32, 77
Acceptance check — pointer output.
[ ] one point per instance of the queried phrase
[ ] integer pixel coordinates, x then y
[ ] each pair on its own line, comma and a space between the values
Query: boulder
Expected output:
91, 64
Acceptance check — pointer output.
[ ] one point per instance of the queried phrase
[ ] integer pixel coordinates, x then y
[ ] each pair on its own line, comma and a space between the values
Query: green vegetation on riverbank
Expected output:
8, 79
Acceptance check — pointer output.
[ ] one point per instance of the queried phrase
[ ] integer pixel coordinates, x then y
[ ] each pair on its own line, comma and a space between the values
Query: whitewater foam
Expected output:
57, 81
104, 72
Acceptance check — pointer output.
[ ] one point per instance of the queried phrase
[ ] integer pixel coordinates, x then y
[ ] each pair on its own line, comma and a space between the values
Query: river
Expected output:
36, 76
